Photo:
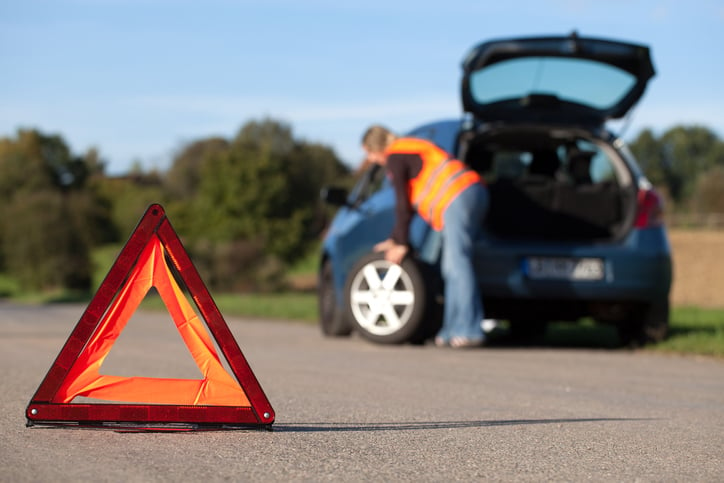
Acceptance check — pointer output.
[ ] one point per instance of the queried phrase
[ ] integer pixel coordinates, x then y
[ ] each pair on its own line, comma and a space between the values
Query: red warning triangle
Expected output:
218, 399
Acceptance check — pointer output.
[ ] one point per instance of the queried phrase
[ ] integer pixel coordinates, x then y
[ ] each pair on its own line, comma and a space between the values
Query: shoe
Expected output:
465, 343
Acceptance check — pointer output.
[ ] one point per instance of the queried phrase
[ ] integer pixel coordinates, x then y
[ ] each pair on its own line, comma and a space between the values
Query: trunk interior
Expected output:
553, 185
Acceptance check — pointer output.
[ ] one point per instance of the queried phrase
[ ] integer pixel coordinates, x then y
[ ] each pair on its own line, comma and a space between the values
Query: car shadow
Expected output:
684, 331
561, 335
426, 425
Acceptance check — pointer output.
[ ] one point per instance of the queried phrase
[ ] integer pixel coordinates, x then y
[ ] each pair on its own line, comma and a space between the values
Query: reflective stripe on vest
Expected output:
439, 182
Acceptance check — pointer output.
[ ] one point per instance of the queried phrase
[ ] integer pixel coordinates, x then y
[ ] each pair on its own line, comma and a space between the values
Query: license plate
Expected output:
564, 268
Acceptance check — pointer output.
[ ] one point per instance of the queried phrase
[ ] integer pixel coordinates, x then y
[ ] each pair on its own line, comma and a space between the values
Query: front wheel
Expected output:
387, 302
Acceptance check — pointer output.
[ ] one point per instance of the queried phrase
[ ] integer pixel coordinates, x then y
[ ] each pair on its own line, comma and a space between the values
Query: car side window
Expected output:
586, 163
602, 168
507, 164
371, 181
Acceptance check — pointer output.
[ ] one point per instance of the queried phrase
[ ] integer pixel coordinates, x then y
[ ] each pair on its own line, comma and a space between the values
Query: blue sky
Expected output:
139, 79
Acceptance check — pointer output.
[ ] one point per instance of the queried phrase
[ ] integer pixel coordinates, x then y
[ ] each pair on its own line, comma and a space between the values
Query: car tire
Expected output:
332, 319
387, 302
649, 324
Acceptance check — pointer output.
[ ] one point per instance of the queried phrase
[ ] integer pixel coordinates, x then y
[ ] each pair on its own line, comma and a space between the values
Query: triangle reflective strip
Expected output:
217, 398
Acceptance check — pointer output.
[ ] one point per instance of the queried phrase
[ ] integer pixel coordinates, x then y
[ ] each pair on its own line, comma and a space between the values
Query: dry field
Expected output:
698, 267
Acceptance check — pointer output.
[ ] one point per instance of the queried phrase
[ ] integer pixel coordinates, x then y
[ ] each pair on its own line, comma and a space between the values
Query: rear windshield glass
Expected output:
581, 81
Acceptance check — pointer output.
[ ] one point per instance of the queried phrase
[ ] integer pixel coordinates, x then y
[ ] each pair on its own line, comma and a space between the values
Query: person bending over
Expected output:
452, 199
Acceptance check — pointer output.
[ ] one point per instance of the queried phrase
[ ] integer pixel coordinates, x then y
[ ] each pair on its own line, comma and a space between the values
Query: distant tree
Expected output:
255, 201
49, 218
268, 135
23, 166
650, 156
692, 151
182, 179
43, 249
94, 206
709, 191
245, 192
675, 160
128, 197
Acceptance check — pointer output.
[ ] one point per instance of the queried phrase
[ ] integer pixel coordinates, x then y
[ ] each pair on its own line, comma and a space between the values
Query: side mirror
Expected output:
335, 196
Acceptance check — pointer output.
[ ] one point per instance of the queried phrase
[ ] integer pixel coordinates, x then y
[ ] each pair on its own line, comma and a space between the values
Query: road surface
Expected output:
348, 410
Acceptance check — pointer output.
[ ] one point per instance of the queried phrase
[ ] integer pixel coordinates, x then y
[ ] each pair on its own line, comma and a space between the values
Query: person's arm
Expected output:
401, 168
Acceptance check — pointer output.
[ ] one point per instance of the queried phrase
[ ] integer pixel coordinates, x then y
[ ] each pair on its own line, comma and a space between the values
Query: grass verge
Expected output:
299, 306
694, 331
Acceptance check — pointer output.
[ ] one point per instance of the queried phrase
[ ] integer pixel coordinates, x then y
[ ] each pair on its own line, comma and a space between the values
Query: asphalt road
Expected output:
348, 410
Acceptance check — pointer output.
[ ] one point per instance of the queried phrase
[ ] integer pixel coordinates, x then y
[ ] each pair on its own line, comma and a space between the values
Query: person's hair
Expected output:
377, 138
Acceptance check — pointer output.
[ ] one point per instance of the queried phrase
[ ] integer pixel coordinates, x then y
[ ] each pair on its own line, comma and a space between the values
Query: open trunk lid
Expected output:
554, 79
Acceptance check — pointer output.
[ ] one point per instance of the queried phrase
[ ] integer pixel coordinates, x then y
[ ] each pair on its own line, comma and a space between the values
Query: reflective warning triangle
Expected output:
218, 399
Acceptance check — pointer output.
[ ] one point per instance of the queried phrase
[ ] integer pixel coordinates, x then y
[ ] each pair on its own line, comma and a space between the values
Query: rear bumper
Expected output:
638, 269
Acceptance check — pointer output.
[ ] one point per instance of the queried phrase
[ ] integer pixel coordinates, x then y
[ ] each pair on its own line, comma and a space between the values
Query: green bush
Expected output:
50, 213
43, 249
249, 208
237, 266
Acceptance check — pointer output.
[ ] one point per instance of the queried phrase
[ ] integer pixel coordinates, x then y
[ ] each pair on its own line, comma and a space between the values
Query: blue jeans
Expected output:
463, 220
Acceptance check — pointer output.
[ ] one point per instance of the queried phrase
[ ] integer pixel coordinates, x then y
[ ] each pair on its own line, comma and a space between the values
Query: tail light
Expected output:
650, 209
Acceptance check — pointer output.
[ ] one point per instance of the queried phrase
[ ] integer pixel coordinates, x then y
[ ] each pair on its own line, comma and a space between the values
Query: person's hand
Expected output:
383, 246
394, 252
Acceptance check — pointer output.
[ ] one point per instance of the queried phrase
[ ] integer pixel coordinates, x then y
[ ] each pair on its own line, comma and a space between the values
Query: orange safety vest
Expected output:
439, 182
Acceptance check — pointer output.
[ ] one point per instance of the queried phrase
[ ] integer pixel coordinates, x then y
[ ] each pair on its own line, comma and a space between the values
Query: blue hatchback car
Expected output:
574, 228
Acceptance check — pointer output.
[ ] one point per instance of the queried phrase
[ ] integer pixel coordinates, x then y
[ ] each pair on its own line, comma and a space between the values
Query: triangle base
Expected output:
144, 417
